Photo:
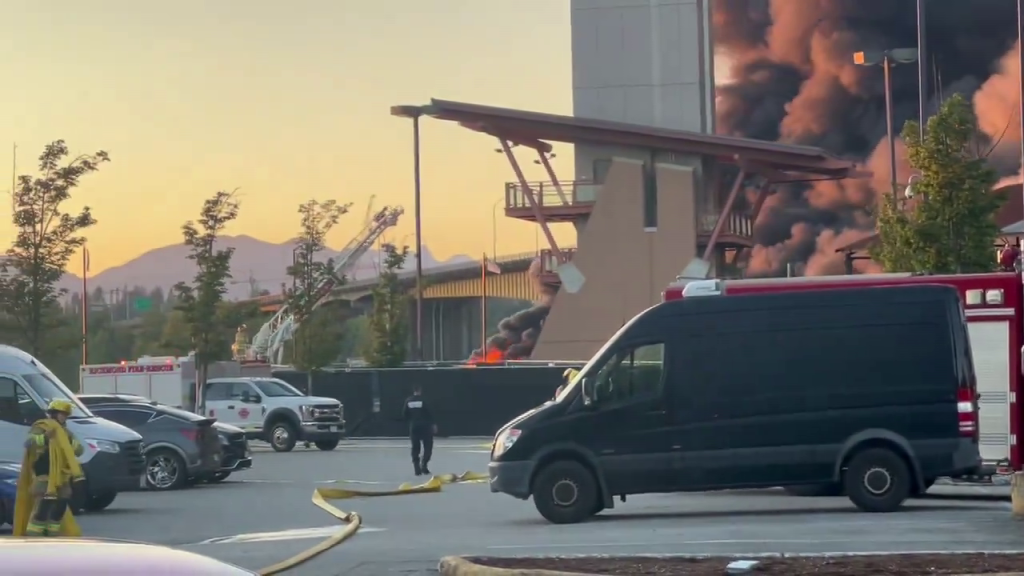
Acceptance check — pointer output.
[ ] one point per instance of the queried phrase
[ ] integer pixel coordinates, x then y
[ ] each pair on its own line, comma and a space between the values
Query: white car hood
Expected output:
304, 400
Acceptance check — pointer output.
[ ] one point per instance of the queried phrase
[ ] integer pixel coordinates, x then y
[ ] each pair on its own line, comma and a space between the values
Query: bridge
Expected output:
452, 298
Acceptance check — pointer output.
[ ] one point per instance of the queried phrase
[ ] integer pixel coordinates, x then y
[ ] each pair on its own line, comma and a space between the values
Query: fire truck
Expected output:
994, 307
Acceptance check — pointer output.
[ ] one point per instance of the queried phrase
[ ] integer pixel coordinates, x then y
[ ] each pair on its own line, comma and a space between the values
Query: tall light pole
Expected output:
887, 59
922, 67
414, 113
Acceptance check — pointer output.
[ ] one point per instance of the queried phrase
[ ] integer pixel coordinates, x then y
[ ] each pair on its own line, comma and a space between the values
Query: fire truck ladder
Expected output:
269, 341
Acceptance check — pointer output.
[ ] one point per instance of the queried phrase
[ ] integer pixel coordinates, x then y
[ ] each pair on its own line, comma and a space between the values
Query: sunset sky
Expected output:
285, 101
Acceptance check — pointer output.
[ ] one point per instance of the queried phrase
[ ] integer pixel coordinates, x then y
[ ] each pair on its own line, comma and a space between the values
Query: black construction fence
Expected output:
466, 400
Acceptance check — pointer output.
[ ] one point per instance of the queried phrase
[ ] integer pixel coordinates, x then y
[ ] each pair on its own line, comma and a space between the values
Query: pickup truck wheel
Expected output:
326, 445
878, 480
165, 470
282, 437
99, 501
565, 492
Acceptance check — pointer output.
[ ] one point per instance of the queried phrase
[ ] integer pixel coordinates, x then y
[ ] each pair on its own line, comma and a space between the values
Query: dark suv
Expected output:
235, 452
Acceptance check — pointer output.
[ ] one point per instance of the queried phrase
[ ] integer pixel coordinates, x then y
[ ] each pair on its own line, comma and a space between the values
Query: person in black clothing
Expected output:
417, 414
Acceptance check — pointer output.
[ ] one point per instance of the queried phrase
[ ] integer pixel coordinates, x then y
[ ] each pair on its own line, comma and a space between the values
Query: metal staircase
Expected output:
268, 344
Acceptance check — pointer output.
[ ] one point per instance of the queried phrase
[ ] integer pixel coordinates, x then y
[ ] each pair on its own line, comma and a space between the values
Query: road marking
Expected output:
295, 534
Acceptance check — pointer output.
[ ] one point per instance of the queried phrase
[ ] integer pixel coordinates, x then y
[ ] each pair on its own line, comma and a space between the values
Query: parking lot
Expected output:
264, 515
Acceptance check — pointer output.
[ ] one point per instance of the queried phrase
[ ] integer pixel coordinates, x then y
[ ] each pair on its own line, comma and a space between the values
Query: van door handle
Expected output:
231, 407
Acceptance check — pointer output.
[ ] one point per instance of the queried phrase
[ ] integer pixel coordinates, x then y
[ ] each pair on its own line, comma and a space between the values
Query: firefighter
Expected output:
48, 470
417, 415
567, 377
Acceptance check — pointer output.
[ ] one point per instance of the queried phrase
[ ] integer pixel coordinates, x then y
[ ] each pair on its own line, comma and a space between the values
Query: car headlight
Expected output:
223, 440
504, 441
103, 445
306, 412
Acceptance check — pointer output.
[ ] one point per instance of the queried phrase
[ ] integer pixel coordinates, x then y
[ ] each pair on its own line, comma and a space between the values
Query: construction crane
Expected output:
269, 341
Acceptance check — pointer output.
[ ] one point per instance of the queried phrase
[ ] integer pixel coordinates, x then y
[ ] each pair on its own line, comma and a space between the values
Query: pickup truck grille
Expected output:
327, 413
133, 455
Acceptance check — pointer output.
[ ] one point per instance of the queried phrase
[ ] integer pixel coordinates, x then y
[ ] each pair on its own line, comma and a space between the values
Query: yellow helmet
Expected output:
569, 373
59, 406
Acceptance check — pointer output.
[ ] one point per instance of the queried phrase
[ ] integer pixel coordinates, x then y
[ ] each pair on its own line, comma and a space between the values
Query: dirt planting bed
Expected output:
886, 565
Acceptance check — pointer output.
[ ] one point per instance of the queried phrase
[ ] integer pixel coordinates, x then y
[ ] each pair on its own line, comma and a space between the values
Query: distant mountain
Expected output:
262, 262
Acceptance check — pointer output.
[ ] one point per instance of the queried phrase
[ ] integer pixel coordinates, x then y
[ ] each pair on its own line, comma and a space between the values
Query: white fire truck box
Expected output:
159, 379
165, 379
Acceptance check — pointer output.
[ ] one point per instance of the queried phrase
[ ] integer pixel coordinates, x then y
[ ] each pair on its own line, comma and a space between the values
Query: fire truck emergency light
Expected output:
702, 288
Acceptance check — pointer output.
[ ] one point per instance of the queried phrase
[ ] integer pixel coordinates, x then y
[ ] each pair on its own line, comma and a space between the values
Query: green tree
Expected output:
46, 238
200, 302
354, 332
948, 226
311, 349
387, 345
316, 343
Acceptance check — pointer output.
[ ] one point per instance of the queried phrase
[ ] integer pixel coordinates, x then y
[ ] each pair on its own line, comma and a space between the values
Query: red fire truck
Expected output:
994, 306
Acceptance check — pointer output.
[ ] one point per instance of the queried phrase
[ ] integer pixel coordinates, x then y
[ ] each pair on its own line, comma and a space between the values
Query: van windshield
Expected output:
48, 387
594, 364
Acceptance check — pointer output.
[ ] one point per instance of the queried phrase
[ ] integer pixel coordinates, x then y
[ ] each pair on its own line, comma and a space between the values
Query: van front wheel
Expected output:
565, 492
878, 480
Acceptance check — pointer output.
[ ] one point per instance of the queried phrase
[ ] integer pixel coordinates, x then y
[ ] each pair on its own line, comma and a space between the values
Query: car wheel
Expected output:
326, 445
877, 480
815, 490
282, 437
99, 501
565, 492
165, 470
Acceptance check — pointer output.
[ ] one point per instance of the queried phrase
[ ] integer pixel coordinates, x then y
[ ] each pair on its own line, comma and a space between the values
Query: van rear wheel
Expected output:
565, 492
878, 480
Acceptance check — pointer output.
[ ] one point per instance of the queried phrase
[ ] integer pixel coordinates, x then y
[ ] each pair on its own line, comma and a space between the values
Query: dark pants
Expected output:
422, 435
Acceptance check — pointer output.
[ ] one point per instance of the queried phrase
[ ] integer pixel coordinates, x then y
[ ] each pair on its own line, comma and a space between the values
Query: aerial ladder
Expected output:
268, 344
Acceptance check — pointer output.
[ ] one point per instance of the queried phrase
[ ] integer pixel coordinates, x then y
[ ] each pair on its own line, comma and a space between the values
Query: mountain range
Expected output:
255, 264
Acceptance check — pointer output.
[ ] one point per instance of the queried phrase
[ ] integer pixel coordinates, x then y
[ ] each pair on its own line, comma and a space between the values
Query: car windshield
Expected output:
276, 388
49, 388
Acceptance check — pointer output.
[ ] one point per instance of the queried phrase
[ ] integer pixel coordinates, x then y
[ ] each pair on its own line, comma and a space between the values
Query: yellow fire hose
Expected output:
353, 520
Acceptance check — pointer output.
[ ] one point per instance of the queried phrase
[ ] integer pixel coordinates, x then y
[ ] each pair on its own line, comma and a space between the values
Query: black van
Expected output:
873, 388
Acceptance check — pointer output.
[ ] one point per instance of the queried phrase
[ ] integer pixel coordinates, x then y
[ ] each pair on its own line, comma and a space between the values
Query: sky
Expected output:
285, 101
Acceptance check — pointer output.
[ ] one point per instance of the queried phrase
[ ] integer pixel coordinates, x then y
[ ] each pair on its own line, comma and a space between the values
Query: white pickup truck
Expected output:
272, 410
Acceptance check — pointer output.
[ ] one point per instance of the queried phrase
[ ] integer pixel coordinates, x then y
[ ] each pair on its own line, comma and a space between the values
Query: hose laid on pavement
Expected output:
354, 521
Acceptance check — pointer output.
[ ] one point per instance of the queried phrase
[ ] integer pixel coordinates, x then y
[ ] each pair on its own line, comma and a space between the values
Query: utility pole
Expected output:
14, 178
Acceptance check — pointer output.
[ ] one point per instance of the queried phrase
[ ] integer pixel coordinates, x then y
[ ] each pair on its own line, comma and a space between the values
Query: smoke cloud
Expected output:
518, 334
793, 80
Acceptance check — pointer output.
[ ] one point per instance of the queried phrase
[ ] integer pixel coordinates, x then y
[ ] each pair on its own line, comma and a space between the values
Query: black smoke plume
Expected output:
518, 334
793, 80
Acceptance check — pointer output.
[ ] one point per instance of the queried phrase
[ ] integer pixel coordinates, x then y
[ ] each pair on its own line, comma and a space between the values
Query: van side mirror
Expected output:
587, 391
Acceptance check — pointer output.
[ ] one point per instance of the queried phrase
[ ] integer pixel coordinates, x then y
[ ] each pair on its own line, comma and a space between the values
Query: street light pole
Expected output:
922, 67
414, 113
888, 59
419, 236
886, 67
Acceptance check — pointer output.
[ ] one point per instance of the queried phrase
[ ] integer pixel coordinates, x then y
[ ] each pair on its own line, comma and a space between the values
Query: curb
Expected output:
459, 566
463, 566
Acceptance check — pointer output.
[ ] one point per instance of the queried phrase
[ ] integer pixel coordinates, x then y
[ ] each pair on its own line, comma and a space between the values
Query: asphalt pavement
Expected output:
264, 515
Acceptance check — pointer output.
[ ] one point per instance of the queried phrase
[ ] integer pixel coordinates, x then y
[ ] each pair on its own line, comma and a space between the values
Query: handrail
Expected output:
552, 194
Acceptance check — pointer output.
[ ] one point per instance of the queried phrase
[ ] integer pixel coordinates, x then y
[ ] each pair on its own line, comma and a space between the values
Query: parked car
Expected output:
236, 454
97, 556
9, 472
179, 446
873, 388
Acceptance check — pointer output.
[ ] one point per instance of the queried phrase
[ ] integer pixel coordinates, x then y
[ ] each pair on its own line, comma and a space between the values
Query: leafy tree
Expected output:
354, 332
312, 348
388, 342
200, 303
948, 226
316, 344
47, 236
